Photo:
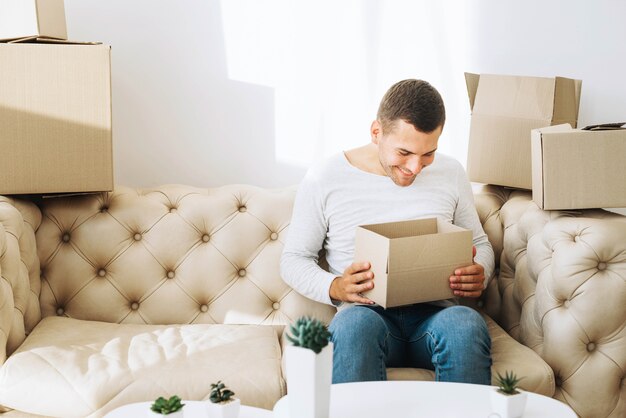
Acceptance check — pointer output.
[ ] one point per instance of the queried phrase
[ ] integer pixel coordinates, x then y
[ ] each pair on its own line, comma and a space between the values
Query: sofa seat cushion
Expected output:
507, 355
73, 368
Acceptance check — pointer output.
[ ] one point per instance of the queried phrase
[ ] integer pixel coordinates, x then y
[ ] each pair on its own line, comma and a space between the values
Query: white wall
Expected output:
209, 92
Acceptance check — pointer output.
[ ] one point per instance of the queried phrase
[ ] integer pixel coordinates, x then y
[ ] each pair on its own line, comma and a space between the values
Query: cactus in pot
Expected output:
309, 366
507, 400
309, 333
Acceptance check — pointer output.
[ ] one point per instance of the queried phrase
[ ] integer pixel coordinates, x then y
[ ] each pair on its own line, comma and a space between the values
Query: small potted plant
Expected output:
309, 367
172, 407
222, 402
507, 400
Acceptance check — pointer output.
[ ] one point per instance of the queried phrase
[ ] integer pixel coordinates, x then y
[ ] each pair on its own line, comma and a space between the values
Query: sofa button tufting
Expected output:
134, 306
274, 236
60, 311
205, 238
576, 238
137, 237
104, 209
242, 209
170, 274
566, 303
204, 308
241, 272
66, 237
173, 209
102, 272
601, 266
276, 306
591, 347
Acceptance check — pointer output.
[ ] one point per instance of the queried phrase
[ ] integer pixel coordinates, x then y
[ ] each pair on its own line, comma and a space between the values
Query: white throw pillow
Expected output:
73, 368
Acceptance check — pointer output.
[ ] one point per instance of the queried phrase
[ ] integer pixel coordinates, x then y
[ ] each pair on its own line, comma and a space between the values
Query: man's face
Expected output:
404, 151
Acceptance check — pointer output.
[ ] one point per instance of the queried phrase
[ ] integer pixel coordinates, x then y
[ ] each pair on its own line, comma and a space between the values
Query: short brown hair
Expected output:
415, 102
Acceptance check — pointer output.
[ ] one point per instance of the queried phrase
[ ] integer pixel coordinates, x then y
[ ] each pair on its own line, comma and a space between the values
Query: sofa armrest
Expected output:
19, 273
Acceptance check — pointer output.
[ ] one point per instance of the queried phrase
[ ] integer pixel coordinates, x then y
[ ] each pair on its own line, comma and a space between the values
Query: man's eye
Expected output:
403, 153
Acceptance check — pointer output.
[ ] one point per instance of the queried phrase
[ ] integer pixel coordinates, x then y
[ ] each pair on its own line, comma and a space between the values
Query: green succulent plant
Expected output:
309, 333
508, 383
167, 406
220, 393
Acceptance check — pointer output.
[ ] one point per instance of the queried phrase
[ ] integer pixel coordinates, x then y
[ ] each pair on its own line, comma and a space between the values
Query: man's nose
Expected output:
415, 165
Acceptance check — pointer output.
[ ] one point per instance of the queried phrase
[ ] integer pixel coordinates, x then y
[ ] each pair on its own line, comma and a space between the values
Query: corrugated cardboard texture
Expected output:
26, 18
412, 260
575, 169
504, 111
55, 119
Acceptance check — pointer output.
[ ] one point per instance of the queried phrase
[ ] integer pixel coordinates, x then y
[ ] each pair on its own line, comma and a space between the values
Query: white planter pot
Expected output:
309, 377
508, 406
228, 409
177, 414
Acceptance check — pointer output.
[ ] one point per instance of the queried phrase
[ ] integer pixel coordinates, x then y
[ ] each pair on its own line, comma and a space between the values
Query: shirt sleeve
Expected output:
465, 216
307, 231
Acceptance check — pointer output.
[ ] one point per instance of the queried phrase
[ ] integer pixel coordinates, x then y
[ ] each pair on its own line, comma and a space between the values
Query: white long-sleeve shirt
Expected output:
335, 197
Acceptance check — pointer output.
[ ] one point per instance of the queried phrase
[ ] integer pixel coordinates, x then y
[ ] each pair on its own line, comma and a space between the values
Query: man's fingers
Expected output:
355, 297
466, 279
361, 277
357, 267
465, 294
467, 286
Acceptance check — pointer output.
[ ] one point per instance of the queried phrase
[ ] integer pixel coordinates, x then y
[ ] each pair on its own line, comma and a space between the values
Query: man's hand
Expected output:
468, 281
355, 279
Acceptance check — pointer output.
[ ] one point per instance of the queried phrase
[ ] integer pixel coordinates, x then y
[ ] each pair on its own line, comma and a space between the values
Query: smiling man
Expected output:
396, 177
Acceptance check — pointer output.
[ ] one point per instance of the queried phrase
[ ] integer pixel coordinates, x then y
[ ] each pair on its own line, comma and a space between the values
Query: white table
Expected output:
410, 399
192, 409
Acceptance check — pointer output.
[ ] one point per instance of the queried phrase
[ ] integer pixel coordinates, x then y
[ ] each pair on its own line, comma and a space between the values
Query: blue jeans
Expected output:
452, 341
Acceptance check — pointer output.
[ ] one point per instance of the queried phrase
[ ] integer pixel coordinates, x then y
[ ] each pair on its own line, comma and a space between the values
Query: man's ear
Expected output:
376, 131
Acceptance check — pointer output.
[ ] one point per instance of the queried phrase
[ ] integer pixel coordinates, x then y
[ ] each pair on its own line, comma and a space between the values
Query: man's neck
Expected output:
366, 159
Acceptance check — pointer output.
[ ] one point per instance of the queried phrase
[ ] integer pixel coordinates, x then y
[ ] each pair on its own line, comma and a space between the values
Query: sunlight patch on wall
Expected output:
330, 62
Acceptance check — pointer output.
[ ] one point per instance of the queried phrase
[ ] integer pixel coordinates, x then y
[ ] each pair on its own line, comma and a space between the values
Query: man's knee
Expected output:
465, 321
359, 324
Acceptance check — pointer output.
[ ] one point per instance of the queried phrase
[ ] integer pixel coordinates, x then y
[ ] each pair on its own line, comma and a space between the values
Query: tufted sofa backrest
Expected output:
562, 284
19, 273
175, 254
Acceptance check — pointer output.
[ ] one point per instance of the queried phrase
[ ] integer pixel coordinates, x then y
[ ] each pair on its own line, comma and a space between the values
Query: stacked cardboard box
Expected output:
579, 169
55, 106
504, 111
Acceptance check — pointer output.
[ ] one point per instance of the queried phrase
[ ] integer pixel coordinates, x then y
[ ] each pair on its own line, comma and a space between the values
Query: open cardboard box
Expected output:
578, 169
412, 260
504, 111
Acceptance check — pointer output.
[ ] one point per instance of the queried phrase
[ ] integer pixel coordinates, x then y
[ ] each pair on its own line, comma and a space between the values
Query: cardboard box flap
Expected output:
471, 81
605, 126
373, 247
499, 95
44, 40
566, 100
51, 18
403, 229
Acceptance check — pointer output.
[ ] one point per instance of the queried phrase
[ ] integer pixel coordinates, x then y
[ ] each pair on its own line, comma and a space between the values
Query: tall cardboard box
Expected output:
504, 111
32, 18
55, 118
412, 260
578, 169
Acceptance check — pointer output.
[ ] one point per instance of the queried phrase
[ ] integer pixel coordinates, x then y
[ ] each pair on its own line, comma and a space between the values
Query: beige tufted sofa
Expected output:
561, 290
125, 296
